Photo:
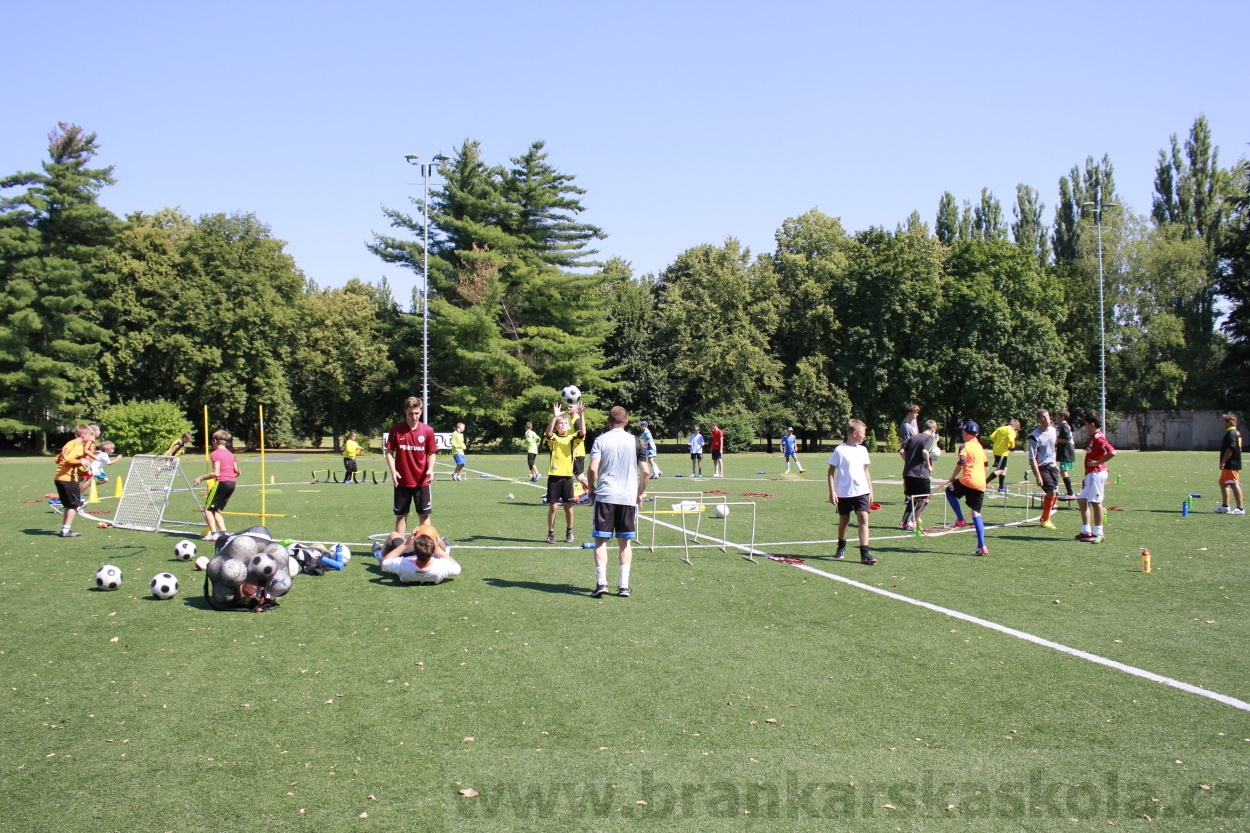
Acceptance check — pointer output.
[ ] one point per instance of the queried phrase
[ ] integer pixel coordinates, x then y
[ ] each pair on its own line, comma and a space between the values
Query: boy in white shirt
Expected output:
850, 488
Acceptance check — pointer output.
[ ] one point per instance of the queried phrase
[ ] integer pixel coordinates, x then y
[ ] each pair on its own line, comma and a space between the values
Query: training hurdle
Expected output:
687, 506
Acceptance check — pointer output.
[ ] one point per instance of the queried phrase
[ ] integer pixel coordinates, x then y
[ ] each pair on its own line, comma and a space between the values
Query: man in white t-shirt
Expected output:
617, 479
850, 488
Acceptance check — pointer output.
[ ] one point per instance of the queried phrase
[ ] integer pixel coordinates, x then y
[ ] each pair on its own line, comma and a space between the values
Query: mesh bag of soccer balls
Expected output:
250, 570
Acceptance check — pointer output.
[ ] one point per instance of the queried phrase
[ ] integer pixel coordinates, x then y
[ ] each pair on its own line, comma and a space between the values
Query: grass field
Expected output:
723, 695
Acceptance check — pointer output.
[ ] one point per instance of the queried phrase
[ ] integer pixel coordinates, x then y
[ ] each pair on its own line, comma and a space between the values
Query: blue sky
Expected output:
685, 122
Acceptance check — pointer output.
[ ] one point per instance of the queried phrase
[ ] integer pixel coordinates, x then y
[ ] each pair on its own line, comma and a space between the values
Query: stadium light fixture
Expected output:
426, 170
1098, 205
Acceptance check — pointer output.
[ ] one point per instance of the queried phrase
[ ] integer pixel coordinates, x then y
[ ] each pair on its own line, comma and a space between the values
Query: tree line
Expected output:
972, 317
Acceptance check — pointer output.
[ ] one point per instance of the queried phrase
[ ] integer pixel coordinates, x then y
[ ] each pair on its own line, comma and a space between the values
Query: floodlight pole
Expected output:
426, 170
1098, 206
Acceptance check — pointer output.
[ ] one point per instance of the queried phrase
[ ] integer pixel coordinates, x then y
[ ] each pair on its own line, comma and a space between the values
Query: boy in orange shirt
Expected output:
968, 482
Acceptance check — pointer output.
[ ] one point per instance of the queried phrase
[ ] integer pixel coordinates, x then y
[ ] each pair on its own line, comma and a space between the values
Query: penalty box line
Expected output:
1003, 629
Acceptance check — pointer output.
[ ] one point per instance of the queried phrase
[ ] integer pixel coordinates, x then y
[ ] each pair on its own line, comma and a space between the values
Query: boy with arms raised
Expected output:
1097, 454
560, 468
968, 482
850, 488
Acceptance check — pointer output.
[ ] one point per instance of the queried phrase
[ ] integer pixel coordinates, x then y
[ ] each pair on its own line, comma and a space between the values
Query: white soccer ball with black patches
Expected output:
721, 510
108, 577
570, 394
262, 567
230, 572
164, 586
184, 550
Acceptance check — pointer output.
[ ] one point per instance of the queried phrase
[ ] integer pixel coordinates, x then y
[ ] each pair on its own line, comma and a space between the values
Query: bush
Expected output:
892, 442
144, 427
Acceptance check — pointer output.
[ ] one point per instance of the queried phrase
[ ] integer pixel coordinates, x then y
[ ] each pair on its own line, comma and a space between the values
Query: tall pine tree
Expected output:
52, 237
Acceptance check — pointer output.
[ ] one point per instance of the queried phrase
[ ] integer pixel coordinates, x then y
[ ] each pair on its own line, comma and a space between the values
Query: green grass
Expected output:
200, 720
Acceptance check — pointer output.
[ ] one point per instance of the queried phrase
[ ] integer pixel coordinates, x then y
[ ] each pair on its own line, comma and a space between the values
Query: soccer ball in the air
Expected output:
184, 550
165, 586
108, 577
935, 453
721, 510
570, 394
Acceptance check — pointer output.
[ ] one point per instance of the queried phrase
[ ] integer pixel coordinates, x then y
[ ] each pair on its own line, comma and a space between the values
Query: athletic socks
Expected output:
864, 554
624, 575
1002, 481
64, 528
1085, 529
954, 502
1067, 485
1048, 505
601, 575
980, 525
1098, 532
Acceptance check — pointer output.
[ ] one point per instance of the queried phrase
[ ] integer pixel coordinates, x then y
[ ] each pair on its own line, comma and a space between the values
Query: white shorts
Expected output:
1094, 486
409, 573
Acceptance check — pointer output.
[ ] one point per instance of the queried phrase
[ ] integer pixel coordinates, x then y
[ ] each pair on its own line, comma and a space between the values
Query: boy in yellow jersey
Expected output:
351, 450
560, 469
458, 446
1004, 440
968, 482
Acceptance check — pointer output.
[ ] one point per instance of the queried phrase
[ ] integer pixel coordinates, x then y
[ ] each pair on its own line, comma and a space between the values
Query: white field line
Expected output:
994, 626
974, 620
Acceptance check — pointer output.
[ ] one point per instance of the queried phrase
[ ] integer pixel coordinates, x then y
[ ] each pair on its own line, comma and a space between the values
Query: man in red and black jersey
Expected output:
410, 455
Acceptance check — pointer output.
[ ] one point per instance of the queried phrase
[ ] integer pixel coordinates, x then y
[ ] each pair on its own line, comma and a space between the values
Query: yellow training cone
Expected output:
93, 496
117, 490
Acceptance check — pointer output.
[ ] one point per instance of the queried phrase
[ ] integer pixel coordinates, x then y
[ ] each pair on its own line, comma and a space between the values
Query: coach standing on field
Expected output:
618, 478
410, 454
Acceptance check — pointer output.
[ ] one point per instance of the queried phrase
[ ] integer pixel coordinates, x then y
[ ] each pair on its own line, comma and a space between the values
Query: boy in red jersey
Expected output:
410, 455
1097, 454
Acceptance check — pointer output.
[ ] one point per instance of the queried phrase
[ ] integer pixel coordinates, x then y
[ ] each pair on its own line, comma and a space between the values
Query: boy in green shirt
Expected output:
531, 449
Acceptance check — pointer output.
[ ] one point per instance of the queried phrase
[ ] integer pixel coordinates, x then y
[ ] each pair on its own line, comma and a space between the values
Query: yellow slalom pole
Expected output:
207, 451
263, 517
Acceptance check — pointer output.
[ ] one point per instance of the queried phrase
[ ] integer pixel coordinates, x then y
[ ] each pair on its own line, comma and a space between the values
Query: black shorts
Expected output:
349, 465
859, 503
220, 495
913, 486
1000, 463
530, 458
1050, 478
716, 455
559, 488
698, 457
70, 493
420, 498
975, 498
579, 466
615, 519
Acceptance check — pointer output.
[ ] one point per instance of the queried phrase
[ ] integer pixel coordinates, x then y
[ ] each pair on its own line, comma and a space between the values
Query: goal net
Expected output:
146, 494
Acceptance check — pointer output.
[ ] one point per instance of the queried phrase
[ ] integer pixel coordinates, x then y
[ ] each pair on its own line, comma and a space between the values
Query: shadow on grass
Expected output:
56, 533
540, 586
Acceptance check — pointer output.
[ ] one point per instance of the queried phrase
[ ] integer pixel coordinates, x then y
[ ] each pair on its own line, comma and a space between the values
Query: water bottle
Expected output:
1145, 561
589, 545
1185, 508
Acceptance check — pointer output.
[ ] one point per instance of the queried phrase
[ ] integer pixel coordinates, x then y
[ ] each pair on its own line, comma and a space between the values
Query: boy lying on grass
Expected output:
425, 558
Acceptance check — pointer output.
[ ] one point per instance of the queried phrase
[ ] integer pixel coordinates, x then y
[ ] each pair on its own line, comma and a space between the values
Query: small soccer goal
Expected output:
146, 493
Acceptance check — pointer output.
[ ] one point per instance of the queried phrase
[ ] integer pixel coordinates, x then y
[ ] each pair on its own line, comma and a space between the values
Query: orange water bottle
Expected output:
1145, 561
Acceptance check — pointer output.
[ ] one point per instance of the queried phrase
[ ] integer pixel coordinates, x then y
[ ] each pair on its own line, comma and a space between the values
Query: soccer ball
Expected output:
721, 510
935, 453
108, 577
201, 563
165, 586
184, 550
230, 572
262, 566
278, 585
570, 394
